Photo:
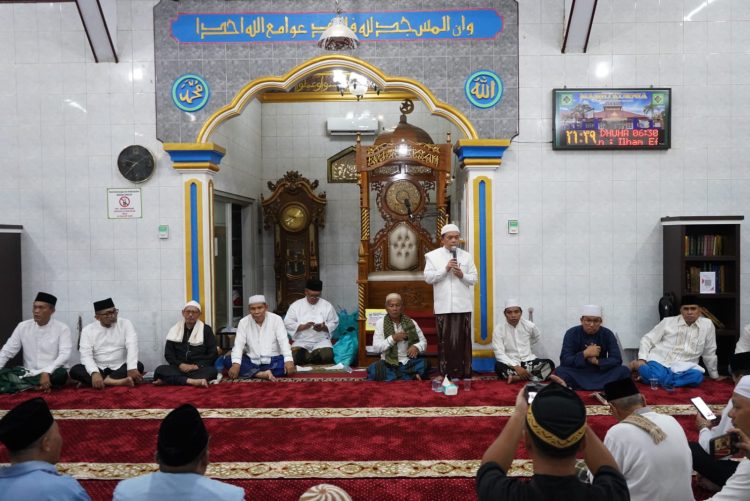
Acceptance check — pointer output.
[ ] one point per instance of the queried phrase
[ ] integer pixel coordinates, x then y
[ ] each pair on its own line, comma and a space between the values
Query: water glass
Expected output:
437, 384
467, 384
654, 383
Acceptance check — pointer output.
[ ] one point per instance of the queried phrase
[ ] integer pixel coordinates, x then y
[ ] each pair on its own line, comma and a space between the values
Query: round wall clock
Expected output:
293, 217
136, 163
403, 197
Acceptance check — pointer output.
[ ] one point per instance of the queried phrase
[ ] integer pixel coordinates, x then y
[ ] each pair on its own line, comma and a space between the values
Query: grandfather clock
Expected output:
294, 212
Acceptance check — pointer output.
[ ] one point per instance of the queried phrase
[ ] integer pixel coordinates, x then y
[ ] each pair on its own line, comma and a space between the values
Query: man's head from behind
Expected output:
555, 423
30, 433
182, 446
623, 397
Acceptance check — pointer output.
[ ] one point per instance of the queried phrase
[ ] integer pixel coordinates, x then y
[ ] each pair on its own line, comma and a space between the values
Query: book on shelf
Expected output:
693, 277
703, 245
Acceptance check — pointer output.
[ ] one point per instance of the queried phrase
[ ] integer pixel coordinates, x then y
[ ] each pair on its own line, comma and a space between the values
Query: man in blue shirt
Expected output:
34, 444
182, 454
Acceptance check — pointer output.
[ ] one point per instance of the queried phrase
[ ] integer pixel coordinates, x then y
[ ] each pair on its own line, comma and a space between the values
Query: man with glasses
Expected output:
109, 350
590, 357
190, 351
670, 351
311, 321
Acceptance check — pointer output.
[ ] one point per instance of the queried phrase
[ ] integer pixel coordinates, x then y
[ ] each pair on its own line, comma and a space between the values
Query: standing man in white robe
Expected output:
651, 449
310, 321
109, 350
511, 341
452, 274
261, 346
46, 346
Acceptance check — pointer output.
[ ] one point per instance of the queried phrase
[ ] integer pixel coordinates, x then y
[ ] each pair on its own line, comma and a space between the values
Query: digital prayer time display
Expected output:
611, 119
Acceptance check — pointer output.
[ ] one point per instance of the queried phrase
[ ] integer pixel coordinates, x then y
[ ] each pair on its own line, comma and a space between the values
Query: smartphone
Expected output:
531, 390
704, 410
724, 445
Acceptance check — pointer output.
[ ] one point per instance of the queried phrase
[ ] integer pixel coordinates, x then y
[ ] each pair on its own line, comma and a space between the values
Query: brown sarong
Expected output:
454, 344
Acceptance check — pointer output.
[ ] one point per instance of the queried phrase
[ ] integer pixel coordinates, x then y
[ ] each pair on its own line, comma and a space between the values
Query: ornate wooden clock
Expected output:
295, 213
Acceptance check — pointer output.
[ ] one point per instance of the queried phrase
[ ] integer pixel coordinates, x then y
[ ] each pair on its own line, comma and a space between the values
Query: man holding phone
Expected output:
738, 485
649, 447
311, 321
716, 471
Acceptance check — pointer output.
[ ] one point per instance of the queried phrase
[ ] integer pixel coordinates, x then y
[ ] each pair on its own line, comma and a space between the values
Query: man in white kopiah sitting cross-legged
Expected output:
512, 342
261, 346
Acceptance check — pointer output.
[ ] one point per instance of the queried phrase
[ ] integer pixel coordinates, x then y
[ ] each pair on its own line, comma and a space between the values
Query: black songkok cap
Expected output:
557, 417
182, 436
621, 388
739, 362
314, 284
46, 298
686, 300
104, 304
25, 423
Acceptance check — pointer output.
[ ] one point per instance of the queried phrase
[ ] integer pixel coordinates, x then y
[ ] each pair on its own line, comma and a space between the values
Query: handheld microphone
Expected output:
453, 252
407, 204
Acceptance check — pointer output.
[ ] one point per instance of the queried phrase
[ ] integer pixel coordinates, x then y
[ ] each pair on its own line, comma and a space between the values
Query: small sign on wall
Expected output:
124, 203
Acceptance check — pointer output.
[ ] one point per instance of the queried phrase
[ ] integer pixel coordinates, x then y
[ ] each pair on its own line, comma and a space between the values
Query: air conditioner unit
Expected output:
339, 126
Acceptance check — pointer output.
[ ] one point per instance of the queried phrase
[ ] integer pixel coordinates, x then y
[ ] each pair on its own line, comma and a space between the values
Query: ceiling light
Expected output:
338, 36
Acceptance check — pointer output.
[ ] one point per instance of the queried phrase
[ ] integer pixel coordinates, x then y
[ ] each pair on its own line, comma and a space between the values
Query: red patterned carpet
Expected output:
376, 440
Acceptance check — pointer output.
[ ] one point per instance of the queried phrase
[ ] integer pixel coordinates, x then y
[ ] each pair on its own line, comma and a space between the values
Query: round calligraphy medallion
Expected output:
483, 89
403, 197
190, 92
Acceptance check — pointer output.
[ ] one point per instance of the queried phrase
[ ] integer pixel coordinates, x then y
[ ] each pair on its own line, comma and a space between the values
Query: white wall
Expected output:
64, 121
589, 222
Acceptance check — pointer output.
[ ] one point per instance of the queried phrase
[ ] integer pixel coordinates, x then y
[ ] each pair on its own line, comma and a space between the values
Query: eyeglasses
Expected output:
110, 313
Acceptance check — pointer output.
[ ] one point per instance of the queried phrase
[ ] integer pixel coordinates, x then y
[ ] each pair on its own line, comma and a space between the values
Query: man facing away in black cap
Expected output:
649, 447
109, 350
34, 445
182, 454
714, 473
310, 321
46, 345
553, 429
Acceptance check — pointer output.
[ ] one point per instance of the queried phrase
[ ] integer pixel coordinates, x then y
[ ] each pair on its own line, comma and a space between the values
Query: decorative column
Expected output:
481, 158
198, 163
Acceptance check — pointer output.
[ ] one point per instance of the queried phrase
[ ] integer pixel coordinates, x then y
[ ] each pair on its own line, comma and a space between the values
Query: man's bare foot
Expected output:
266, 375
513, 379
158, 382
419, 378
197, 382
127, 381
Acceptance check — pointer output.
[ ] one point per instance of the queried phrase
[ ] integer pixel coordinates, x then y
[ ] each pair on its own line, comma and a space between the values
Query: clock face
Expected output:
136, 163
293, 217
403, 197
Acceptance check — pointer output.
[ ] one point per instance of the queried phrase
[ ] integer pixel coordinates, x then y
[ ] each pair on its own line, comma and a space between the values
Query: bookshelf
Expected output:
707, 243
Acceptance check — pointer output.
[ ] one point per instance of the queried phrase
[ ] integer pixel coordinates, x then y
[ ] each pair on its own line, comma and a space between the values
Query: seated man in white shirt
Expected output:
399, 340
46, 345
261, 346
743, 343
310, 321
182, 454
651, 449
670, 352
511, 342
714, 472
109, 350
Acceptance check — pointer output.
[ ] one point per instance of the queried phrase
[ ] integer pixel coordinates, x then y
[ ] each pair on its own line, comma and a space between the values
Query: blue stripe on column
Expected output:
194, 265
483, 259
